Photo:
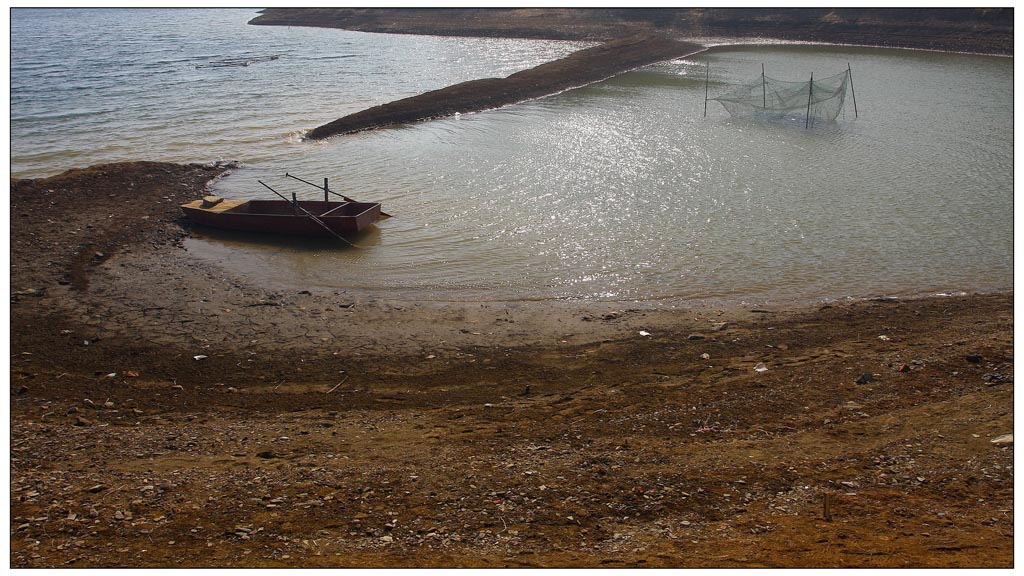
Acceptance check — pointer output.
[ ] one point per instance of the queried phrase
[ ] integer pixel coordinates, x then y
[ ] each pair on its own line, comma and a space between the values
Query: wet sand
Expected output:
165, 412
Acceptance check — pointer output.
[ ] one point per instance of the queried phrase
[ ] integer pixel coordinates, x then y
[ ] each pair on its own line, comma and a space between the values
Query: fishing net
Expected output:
778, 99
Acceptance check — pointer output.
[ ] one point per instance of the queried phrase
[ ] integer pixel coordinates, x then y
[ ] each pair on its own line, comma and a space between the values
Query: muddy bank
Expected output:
65, 226
165, 413
979, 30
578, 69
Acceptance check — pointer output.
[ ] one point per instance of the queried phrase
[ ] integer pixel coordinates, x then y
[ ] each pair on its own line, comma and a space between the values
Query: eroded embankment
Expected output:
578, 69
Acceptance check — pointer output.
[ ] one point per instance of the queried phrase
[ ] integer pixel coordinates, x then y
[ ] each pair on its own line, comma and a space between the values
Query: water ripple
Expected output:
619, 190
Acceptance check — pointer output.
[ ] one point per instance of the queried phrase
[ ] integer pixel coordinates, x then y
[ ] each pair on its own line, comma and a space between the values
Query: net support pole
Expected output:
852, 91
764, 88
707, 76
810, 91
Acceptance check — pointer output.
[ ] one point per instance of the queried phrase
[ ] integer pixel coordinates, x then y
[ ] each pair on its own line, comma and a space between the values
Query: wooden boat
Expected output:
298, 217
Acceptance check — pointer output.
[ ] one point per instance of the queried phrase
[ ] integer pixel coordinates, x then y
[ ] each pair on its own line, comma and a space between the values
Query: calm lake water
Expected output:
621, 190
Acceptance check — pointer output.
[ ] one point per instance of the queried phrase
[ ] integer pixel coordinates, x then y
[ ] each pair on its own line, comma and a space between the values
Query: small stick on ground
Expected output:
826, 506
112, 491
338, 384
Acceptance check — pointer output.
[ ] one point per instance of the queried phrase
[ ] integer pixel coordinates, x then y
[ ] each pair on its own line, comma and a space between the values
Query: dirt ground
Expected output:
166, 413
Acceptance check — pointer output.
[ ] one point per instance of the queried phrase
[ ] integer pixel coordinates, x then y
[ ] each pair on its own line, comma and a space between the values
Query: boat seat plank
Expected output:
338, 207
221, 206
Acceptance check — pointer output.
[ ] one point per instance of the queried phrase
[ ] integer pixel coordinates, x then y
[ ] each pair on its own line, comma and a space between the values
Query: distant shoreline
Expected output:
974, 31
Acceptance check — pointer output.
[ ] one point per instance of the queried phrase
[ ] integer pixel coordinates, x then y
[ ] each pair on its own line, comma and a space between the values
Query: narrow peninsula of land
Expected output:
577, 69
633, 38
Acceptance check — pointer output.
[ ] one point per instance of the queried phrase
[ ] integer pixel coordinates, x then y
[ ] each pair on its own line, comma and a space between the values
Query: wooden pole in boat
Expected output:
314, 218
810, 91
852, 91
764, 89
707, 76
326, 191
324, 188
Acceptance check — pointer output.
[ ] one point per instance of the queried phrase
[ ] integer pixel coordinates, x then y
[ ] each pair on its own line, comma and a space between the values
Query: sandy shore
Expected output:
166, 413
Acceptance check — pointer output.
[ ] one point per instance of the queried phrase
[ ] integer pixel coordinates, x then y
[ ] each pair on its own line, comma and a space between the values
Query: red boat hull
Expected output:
280, 217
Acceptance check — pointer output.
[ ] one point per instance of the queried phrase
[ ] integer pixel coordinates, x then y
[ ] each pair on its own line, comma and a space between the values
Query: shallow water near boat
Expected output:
617, 191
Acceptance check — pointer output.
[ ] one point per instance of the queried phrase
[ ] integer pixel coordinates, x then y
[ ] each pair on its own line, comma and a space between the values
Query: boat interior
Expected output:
316, 207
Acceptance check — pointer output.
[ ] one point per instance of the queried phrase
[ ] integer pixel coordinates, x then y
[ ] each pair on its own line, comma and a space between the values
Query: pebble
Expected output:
695, 337
1003, 440
865, 378
995, 378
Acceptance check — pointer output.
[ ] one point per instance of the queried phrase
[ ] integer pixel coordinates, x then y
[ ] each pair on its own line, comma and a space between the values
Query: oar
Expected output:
343, 197
315, 219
